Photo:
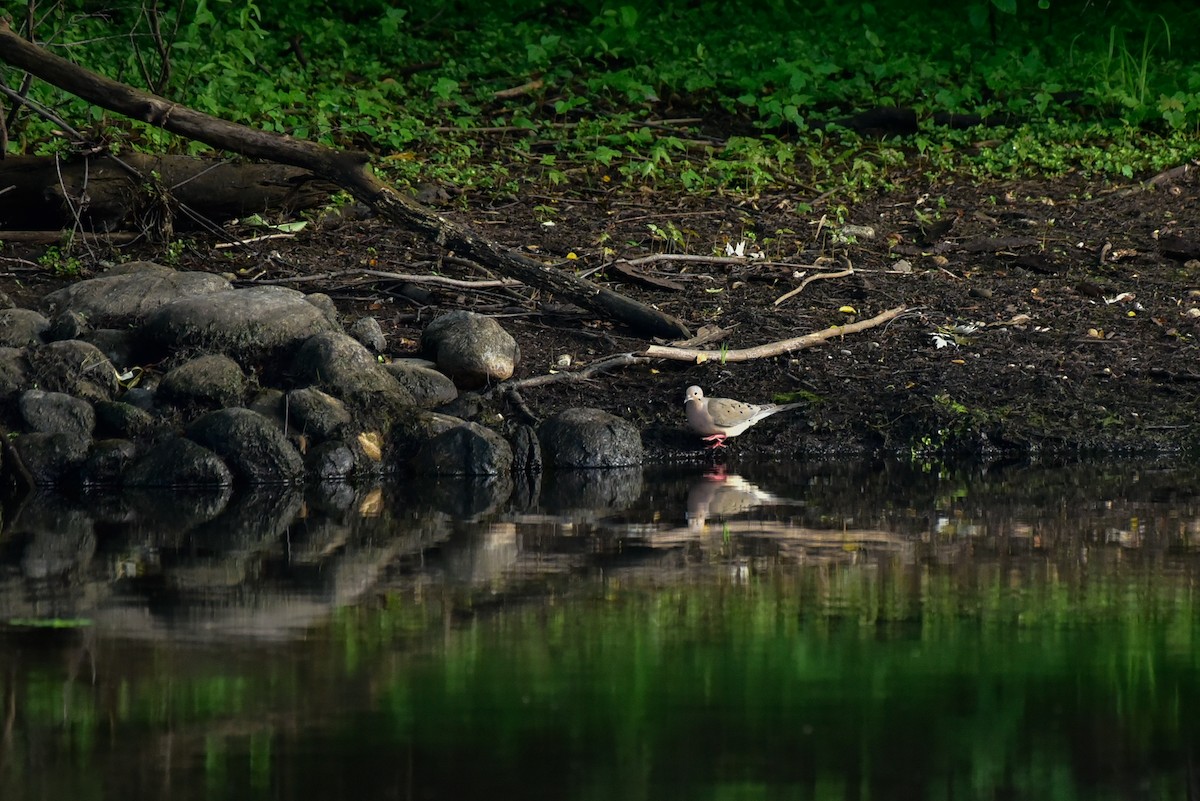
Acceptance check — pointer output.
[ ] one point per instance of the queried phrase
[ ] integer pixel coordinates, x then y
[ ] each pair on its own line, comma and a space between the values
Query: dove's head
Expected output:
693, 394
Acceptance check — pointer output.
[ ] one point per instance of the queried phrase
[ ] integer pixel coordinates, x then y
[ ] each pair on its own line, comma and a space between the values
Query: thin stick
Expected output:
640, 260
241, 243
438, 280
610, 363
809, 280
771, 348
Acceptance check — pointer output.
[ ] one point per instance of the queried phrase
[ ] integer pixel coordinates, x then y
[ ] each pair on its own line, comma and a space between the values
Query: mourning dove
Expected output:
718, 418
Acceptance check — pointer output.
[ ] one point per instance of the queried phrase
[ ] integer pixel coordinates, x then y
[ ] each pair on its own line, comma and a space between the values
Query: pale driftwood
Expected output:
346, 168
686, 354
771, 348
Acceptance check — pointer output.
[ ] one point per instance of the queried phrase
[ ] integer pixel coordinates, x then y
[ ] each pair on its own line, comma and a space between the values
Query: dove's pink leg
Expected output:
717, 440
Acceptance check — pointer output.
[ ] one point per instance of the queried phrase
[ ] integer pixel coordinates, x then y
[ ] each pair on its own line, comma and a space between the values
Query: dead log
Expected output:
101, 194
346, 168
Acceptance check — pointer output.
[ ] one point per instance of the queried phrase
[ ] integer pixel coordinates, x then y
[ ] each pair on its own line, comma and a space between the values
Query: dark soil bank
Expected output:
1051, 317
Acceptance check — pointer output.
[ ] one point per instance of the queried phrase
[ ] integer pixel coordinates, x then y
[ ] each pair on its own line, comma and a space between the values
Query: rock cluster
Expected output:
149, 377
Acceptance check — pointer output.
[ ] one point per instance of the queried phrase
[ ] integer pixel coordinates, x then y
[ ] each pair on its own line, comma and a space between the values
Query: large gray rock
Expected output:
56, 413
126, 296
254, 448
107, 462
341, 366
470, 348
428, 387
212, 381
125, 421
74, 367
20, 328
590, 438
467, 449
368, 331
178, 462
67, 325
14, 372
51, 459
316, 413
246, 324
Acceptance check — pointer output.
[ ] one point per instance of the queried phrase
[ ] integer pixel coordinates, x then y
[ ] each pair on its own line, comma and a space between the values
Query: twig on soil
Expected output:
240, 243
839, 274
518, 91
686, 354
606, 364
437, 280
771, 348
654, 257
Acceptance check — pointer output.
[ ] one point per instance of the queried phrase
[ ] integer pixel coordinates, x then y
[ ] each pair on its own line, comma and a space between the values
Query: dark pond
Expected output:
826, 632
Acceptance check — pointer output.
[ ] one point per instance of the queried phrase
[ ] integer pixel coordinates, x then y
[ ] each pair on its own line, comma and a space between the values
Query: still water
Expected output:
826, 632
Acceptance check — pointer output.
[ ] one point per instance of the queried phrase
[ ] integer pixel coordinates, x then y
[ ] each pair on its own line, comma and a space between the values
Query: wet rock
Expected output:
468, 406
254, 448
107, 462
332, 461
316, 413
74, 367
367, 331
590, 438
411, 432
178, 462
527, 451
67, 325
56, 413
467, 449
270, 403
324, 304
143, 397
14, 372
51, 459
127, 295
246, 324
125, 421
428, 387
341, 366
472, 349
120, 345
21, 328
213, 381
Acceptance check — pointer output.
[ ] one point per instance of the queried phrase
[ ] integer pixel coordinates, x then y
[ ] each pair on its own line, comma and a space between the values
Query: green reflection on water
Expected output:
1028, 680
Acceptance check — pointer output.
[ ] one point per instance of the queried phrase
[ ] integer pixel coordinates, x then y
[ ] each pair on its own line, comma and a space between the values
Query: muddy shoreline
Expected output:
1050, 318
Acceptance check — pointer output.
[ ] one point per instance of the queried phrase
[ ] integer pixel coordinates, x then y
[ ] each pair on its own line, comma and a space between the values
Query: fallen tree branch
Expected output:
345, 168
771, 348
57, 237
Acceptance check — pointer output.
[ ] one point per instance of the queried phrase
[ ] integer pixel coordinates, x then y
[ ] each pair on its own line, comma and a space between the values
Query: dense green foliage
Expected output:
1108, 89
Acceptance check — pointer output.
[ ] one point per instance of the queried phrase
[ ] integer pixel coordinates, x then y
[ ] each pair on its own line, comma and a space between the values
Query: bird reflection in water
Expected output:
721, 495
